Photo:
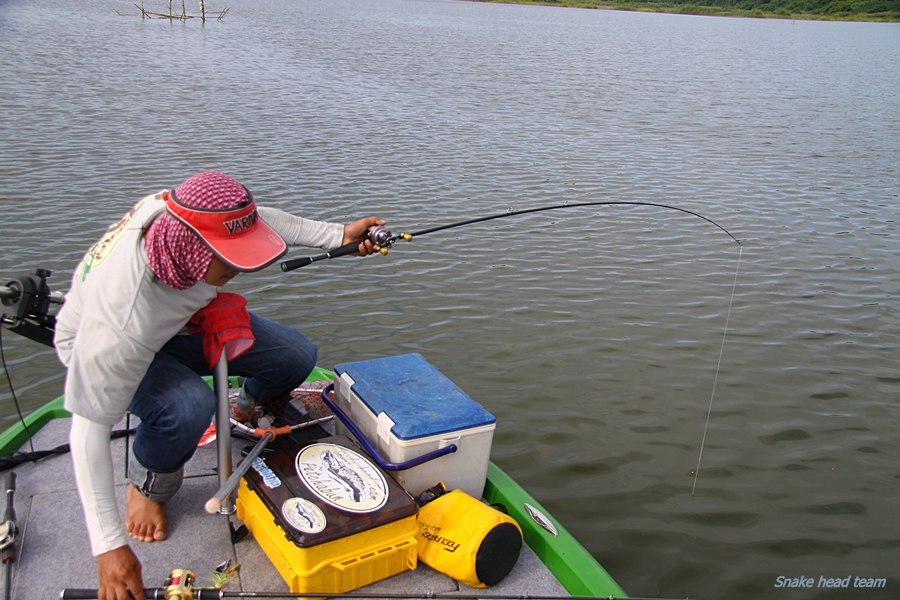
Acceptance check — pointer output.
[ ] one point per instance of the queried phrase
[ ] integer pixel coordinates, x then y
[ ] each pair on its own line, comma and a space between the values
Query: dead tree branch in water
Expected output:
172, 16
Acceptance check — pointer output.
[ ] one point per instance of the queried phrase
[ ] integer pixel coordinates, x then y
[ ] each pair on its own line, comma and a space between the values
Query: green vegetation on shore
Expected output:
832, 10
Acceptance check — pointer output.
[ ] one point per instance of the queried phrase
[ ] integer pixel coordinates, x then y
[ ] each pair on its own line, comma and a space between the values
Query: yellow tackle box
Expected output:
328, 519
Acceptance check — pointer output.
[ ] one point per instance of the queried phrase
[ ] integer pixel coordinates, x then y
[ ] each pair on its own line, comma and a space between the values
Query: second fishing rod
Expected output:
384, 239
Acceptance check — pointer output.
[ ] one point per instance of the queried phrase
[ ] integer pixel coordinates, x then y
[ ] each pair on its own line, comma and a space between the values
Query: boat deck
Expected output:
53, 552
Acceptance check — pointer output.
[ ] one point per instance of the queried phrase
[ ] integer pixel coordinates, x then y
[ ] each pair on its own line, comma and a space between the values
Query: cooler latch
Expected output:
451, 441
385, 424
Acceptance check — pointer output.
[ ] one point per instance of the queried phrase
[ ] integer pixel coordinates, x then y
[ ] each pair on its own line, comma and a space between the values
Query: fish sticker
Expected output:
356, 487
342, 478
303, 515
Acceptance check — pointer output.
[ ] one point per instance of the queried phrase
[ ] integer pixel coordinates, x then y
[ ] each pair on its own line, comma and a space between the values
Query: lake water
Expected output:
593, 335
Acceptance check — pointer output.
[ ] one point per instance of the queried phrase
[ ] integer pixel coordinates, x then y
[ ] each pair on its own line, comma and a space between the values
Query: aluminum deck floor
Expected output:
53, 552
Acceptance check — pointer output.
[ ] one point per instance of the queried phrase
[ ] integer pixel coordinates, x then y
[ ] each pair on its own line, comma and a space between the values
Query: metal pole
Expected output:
223, 430
226, 489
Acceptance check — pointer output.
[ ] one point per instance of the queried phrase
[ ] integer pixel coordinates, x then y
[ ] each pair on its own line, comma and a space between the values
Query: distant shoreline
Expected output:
892, 16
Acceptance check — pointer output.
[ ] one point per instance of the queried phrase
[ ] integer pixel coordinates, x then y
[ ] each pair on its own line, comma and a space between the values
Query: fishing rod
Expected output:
180, 586
384, 239
217, 594
8, 531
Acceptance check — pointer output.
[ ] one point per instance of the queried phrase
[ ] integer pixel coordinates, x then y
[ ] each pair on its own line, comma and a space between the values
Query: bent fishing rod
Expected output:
384, 239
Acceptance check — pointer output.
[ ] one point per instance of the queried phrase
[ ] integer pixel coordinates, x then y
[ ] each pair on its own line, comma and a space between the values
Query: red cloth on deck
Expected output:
225, 325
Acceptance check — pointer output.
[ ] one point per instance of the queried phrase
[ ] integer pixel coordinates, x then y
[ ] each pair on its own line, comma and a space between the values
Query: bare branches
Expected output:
173, 16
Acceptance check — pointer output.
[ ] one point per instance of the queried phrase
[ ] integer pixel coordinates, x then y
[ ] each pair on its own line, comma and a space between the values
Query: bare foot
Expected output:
145, 520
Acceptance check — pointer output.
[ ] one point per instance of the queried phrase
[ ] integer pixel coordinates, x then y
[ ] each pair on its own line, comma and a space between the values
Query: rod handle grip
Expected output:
149, 593
296, 263
89, 594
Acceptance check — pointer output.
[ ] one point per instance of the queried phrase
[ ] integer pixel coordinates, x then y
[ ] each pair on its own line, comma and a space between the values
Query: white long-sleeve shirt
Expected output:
116, 317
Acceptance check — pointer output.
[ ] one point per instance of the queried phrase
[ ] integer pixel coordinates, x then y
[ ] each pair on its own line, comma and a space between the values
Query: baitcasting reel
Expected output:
381, 237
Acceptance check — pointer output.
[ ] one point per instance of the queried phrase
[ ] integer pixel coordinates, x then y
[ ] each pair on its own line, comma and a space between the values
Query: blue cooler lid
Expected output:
419, 399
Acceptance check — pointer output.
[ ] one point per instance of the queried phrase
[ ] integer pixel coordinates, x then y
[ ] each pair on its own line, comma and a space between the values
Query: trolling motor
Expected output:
25, 306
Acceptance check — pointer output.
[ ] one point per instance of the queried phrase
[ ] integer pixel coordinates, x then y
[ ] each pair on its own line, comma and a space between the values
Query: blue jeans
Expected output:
176, 406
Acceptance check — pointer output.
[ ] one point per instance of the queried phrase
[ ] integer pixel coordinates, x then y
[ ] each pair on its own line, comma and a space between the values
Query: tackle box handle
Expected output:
370, 448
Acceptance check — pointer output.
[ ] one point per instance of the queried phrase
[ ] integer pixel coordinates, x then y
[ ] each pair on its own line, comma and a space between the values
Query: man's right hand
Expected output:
119, 572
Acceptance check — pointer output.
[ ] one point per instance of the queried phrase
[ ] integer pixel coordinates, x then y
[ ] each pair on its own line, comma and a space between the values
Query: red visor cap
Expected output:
236, 235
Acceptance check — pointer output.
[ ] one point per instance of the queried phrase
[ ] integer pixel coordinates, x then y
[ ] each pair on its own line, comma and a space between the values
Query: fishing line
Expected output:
718, 367
384, 239
12, 391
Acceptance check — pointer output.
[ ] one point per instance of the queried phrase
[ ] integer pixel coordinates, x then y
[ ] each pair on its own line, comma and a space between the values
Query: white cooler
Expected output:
409, 410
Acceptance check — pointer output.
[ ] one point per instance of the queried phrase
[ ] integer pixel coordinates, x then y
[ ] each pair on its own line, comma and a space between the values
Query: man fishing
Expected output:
121, 335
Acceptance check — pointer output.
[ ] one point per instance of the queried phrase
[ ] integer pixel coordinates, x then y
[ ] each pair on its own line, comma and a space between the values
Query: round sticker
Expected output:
303, 515
342, 478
